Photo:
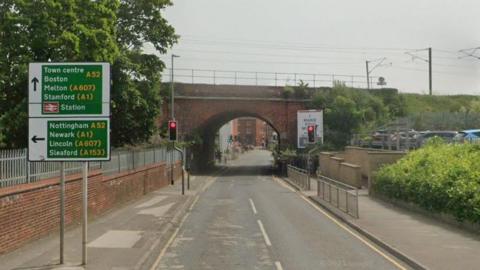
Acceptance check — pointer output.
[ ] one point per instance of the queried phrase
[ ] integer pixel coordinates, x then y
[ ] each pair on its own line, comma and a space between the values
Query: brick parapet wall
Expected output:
30, 211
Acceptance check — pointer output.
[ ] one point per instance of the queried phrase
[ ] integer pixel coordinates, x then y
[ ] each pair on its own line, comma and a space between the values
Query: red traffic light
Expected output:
172, 130
311, 134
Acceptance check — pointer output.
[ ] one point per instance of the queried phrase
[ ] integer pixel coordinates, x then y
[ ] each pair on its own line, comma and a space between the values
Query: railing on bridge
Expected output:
299, 177
232, 77
338, 194
15, 169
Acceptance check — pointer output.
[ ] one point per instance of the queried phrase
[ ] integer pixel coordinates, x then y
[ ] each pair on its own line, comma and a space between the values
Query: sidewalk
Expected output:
128, 237
430, 243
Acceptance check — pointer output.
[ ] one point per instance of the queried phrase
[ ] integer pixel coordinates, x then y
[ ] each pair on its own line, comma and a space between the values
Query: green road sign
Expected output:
69, 139
69, 110
69, 89
76, 90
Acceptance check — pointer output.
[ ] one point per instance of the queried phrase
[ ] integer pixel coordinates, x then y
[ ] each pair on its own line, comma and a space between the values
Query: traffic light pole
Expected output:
183, 166
172, 102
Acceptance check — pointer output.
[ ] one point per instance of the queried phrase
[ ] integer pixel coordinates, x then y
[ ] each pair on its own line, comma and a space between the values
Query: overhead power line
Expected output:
472, 52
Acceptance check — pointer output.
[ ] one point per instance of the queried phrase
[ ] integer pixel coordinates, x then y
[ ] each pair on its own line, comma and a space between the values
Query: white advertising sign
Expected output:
305, 119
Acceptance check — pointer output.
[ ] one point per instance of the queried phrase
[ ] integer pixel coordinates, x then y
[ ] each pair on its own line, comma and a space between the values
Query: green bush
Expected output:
442, 178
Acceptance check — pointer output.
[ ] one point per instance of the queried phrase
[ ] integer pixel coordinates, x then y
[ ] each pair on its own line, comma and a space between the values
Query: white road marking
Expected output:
151, 202
156, 211
116, 239
265, 235
384, 255
254, 209
175, 233
278, 265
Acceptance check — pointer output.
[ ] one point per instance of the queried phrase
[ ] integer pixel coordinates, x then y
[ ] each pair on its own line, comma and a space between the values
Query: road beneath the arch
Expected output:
248, 220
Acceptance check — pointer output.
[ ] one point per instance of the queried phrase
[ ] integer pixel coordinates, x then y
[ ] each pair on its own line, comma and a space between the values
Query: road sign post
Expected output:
69, 120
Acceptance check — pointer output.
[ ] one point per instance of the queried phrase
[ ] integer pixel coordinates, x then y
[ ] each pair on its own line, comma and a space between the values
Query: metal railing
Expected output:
15, 169
232, 77
299, 177
339, 195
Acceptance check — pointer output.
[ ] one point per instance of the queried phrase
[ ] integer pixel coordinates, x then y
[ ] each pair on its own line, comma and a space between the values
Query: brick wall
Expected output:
30, 211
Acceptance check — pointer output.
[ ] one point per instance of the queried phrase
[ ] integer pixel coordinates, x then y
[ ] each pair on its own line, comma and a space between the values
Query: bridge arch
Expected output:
208, 130
202, 109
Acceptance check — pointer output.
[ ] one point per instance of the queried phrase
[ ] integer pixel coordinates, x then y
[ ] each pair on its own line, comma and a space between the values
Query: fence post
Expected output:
356, 193
214, 77
119, 162
133, 159
330, 193
27, 165
338, 197
346, 199
275, 79
192, 76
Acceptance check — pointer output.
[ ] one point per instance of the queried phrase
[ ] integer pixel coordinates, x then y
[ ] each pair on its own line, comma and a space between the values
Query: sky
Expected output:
330, 37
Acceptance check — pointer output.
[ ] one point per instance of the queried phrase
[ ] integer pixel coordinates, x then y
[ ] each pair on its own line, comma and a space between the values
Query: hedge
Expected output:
444, 178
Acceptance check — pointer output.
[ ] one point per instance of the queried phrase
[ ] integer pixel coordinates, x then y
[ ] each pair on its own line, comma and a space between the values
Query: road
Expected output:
247, 219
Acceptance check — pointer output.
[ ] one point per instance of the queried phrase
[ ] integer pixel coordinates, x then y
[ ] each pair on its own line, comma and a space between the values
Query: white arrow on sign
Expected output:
34, 83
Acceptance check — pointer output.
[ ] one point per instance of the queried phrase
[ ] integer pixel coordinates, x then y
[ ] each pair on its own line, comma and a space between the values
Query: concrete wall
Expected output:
350, 174
356, 165
30, 211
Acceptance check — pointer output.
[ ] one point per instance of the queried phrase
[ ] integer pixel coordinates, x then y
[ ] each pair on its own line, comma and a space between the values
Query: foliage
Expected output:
301, 90
422, 178
287, 91
416, 103
347, 111
112, 31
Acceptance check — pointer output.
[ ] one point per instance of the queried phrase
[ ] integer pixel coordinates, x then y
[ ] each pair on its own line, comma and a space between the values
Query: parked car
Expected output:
469, 135
423, 137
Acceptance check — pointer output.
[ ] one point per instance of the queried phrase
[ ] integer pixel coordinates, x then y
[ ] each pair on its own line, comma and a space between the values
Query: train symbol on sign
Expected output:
51, 107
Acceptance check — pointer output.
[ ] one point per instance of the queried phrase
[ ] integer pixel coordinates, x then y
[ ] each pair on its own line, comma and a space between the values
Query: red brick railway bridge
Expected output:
201, 109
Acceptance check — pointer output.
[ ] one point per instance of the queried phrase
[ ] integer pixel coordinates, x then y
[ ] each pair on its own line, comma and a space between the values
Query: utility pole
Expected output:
172, 102
171, 90
368, 75
414, 56
430, 70
379, 64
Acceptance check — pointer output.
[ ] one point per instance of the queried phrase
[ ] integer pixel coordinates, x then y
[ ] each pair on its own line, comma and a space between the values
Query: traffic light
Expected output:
311, 134
172, 130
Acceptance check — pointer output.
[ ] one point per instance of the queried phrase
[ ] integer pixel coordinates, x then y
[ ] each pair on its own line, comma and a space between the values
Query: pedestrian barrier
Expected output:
339, 195
299, 177
15, 169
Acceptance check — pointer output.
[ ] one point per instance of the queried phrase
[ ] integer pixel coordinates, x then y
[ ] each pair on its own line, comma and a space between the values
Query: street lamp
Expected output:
171, 86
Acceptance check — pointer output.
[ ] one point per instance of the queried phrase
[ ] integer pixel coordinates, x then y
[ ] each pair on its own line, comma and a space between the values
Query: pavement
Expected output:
423, 242
129, 237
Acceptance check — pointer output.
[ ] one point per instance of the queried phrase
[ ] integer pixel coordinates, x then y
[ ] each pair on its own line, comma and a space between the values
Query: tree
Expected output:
136, 99
42, 31
113, 31
347, 111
